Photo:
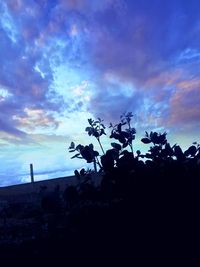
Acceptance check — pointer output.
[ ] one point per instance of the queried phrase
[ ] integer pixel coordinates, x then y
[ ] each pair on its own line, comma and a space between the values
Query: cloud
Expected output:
26, 73
8, 132
153, 48
137, 43
35, 119
184, 105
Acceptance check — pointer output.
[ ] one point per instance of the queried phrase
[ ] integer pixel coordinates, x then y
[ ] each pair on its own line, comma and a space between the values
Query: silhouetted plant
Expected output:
161, 149
84, 176
96, 129
120, 166
178, 153
109, 159
85, 152
155, 138
113, 157
125, 137
193, 150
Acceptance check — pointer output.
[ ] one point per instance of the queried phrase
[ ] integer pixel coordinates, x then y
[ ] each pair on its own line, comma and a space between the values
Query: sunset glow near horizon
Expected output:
65, 61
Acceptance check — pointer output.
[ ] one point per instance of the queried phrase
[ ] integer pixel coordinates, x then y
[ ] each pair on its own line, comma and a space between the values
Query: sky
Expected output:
64, 61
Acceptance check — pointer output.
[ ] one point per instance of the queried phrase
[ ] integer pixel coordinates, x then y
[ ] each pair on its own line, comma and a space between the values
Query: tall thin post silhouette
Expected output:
31, 173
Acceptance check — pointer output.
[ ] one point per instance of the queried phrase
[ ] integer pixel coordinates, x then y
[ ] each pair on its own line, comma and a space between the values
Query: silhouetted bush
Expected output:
163, 167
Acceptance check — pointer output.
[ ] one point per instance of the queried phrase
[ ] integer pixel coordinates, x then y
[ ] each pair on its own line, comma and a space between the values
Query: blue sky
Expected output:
65, 61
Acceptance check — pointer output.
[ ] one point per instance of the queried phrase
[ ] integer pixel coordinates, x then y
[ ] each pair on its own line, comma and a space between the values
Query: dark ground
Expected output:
147, 227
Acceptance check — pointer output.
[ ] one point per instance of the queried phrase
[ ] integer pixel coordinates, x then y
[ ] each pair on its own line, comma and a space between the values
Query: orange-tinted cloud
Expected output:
184, 104
35, 119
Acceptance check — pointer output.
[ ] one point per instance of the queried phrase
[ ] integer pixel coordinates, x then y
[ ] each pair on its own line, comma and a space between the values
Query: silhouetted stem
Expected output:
100, 145
131, 148
97, 161
131, 145
95, 166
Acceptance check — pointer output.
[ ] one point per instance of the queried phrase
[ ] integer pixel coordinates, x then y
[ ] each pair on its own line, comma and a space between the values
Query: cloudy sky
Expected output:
64, 61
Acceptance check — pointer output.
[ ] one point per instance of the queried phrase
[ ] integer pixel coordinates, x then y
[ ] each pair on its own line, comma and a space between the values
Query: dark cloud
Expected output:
140, 43
6, 127
144, 42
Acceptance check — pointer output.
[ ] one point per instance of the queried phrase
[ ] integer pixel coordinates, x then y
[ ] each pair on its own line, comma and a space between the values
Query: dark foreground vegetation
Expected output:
146, 208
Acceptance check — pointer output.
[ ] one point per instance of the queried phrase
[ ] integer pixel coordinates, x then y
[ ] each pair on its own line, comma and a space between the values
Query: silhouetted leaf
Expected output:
91, 146
116, 146
191, 151
72, 150
79, 147
138, 152
77, 174
161, 139
119, 127
72, 145
114, 153
178, 153
87, 129
114, 135
125, 134
125, 145
154, 137
82, 172
96, 134
75, 156
133, 130
86, 153
102, 132
129, 114
90, 130
174, 146
131, 138
146, 140
90, 121
121, 139
96, 153
169, 150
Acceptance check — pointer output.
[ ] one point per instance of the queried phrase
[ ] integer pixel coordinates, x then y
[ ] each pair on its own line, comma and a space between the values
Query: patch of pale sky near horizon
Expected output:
61, 159
46, 159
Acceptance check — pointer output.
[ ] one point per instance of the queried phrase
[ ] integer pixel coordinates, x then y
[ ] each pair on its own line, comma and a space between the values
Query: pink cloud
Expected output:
184, 104
34, 119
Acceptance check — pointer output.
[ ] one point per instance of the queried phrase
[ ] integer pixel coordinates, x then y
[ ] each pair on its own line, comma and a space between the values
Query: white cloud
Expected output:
8, 23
